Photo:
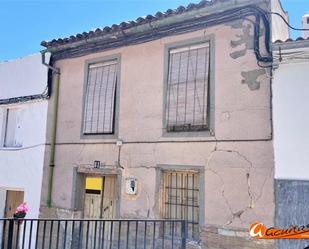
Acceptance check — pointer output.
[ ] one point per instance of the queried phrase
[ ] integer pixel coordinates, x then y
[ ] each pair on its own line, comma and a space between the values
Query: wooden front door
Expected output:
100, 197
13, 200
99, 204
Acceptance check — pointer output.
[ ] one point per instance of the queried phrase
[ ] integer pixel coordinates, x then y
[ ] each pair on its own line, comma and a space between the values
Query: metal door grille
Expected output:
187, 90
100, 98
181, 198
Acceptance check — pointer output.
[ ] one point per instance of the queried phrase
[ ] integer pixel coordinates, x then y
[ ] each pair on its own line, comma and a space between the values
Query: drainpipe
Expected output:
51, 165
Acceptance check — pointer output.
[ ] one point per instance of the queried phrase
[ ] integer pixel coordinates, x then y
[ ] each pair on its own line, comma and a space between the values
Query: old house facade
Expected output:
168, 116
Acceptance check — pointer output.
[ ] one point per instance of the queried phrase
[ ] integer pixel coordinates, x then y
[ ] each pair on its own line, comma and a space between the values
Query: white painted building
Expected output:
290, 110
305, 25
291, 135
23, 114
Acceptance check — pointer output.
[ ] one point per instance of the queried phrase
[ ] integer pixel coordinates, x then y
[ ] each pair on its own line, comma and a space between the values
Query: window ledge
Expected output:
11, 148
112, 137
187, 134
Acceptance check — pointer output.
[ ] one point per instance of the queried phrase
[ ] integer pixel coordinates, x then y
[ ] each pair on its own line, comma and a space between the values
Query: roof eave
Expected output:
82, 39
290, 45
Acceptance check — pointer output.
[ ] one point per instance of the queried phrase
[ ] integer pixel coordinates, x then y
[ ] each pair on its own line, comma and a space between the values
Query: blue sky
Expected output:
24, 24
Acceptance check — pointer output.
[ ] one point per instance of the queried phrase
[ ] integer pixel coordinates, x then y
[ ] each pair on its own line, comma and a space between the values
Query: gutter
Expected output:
51, 165
290, 45
24, 98
83, 44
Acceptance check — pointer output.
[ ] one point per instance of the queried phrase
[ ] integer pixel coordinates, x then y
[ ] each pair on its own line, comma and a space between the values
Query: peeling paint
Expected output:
250, 78
244, 40
238, 54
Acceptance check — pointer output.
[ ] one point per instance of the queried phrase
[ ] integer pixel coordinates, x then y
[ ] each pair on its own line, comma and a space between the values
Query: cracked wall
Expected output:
237, 159
237, 177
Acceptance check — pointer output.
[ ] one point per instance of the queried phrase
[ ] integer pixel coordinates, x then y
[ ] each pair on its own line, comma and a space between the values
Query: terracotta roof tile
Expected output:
291, 40
129, 24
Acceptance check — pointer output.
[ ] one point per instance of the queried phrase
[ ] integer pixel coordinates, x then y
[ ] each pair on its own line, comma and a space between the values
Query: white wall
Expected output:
305, 25
23, 76
280, 31
21, 168
291, 121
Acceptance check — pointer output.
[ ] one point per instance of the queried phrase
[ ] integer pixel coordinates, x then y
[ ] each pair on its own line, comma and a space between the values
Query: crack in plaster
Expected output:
142, 167
250, 205
80, 153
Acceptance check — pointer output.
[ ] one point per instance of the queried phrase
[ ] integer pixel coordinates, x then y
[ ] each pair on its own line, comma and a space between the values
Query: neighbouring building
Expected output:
290, 108
24, 91
305, 25
167, 116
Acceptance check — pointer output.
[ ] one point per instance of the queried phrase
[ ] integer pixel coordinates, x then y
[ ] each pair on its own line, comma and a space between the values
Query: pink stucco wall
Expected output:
237, 159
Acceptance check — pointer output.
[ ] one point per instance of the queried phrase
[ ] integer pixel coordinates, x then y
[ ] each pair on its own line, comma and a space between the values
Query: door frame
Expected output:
16, 238
80, 174
7, 190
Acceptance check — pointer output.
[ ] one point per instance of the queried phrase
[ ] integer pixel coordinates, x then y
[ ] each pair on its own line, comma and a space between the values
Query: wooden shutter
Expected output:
100, 98
12, 134
187, 95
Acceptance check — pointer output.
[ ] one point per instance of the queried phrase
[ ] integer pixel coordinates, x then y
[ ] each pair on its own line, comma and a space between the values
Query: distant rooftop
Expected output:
291, 40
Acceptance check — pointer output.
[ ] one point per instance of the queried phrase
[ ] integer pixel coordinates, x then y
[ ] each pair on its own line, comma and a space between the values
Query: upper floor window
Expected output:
99, 108
11, 128
187, 88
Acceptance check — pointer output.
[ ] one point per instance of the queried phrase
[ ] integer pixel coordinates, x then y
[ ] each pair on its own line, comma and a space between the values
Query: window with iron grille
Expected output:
99, 109
187, 88
181, 198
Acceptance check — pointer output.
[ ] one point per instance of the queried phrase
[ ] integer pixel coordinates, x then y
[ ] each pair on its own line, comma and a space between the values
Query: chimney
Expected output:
305, 25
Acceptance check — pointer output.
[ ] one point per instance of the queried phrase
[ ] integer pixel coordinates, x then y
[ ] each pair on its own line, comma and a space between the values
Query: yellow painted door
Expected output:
92, 207
93, 197
99, 204
100, 197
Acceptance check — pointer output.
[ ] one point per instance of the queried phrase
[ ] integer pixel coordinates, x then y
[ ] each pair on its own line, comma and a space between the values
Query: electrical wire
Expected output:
262, 66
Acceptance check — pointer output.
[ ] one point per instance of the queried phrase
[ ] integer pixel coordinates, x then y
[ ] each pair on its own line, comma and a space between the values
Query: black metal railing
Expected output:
92, 234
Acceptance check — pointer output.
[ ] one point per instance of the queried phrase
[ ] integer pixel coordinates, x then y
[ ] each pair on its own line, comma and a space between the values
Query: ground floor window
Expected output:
181, 198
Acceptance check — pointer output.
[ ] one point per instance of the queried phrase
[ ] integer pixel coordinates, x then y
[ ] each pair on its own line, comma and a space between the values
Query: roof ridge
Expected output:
292, 40
128, 24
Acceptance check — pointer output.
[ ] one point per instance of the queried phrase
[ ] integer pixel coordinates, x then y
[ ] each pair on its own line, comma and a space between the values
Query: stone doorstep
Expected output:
214, 237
